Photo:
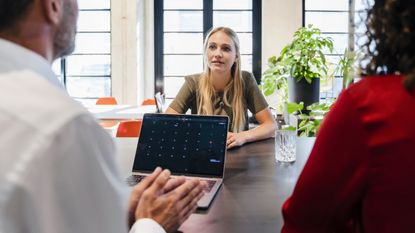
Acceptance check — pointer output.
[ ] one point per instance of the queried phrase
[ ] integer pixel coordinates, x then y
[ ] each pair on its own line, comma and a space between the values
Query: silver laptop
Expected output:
193, 146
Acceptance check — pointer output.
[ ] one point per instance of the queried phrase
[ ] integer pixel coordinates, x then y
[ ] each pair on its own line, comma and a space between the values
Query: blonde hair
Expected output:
233, 91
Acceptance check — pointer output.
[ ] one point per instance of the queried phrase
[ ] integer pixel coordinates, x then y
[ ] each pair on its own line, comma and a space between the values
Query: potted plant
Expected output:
299, 67
309, 123
347, 66
275, 78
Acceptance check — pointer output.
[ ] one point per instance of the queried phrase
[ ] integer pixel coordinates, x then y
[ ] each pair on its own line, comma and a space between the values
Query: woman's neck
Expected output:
220, 80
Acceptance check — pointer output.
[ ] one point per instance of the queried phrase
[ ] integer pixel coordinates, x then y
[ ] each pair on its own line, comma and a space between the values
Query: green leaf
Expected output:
290, 128
294, 107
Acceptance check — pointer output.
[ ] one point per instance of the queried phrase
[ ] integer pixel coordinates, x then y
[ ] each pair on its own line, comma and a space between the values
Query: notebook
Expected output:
193, 146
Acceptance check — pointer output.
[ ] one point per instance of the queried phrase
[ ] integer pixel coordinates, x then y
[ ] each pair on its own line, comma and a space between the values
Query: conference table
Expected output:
254, 188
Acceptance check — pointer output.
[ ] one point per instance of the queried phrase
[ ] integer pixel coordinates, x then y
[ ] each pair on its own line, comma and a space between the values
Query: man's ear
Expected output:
53, 10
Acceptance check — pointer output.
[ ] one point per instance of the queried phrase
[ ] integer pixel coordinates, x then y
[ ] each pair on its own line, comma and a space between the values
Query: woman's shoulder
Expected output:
247, 74
377, 94
193, 79
248, 79
376, 86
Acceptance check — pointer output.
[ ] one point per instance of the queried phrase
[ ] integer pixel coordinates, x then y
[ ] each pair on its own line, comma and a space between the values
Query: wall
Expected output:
280, 19
123, 51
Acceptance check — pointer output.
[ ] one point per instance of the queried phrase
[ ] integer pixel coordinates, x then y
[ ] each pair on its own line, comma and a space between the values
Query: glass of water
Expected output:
285, 145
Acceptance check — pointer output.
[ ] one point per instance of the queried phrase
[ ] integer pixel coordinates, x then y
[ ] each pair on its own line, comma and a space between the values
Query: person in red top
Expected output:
360, 174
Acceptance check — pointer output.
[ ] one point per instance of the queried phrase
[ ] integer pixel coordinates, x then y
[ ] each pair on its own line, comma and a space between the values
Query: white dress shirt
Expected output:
57, 165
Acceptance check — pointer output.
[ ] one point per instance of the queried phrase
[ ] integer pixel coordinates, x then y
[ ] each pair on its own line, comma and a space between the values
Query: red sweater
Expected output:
360, 176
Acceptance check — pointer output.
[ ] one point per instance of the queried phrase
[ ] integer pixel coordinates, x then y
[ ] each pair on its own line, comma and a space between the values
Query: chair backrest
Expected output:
107, 101
129, 128
149, 102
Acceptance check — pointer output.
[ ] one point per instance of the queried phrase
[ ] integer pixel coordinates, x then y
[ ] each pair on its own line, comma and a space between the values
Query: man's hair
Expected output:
391, 39
13, 10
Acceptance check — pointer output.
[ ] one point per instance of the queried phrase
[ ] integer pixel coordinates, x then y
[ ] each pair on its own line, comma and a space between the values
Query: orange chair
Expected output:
149, 102
107, 101
129, 129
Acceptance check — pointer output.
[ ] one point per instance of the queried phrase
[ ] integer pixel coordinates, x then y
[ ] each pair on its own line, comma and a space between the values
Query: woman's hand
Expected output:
235, 139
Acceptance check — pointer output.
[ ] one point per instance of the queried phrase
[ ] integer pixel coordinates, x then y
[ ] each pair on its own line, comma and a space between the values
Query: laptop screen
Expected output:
184, 144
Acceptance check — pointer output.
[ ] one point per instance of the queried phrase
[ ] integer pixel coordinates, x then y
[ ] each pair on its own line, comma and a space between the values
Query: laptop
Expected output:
193, 146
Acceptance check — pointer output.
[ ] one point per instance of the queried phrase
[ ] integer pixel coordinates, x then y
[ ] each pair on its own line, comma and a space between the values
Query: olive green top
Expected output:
252, 98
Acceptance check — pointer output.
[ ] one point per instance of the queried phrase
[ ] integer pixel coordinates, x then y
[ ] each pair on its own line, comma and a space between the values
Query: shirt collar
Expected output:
14, 57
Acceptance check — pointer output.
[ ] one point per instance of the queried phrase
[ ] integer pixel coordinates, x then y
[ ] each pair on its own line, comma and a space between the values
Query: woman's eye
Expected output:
227, 49
212, 47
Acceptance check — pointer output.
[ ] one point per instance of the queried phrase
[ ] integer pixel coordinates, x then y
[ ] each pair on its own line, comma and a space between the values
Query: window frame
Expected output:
207, 25
63, 61
350, 32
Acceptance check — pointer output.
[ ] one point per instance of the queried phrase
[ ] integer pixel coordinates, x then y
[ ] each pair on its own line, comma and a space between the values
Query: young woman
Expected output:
223, 89
360, 174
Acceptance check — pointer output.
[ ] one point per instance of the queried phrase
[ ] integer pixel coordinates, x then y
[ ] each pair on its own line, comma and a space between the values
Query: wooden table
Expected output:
253, 192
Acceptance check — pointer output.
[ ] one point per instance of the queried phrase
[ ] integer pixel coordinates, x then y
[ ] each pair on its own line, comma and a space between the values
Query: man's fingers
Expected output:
137, 192
143, 185
204, 185
190, 207
183, 190
159, 183
193, 196
146, 182
173, 183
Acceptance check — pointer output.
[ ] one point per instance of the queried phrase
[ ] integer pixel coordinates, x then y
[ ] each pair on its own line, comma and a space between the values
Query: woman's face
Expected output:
221, 52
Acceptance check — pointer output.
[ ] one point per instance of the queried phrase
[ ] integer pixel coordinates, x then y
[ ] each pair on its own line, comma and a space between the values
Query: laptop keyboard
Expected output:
135, 179
210, 183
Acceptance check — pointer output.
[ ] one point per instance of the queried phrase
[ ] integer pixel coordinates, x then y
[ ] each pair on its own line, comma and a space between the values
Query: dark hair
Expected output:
391, 36
13, 10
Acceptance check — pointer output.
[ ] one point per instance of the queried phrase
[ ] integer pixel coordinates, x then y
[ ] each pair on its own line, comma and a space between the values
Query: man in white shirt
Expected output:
57, 166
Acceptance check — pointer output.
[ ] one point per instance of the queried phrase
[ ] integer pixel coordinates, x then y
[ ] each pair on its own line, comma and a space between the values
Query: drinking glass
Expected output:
285, 145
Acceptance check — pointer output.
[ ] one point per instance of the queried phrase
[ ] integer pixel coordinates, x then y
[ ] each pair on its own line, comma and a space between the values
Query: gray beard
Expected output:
64, 41
63, 50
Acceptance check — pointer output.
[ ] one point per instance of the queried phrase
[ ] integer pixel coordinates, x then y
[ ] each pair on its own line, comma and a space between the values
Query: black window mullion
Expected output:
158, 46
207, 16
303, 19
256, 39
63, 70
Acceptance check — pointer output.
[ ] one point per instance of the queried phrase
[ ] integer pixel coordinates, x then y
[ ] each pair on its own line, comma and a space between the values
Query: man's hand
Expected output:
167, 201
137, 193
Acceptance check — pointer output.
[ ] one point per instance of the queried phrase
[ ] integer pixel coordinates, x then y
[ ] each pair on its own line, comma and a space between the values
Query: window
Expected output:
333, 18
180, 26
87, 72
